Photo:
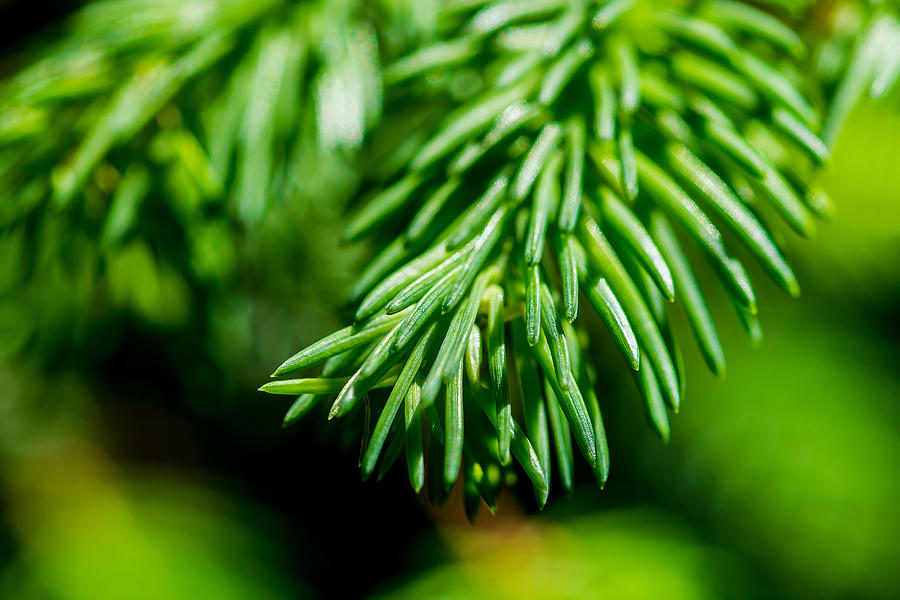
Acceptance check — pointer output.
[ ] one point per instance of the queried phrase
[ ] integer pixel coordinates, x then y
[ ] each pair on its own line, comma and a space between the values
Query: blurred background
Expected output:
138, 461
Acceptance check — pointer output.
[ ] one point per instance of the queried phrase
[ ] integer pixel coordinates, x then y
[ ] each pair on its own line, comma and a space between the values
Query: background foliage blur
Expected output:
136, 461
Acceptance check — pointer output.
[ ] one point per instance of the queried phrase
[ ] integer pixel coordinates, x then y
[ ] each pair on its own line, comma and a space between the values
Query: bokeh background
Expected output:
138, 461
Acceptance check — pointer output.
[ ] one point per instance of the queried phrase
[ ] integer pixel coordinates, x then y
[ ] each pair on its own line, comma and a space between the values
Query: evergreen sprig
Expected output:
540, 154
583, 148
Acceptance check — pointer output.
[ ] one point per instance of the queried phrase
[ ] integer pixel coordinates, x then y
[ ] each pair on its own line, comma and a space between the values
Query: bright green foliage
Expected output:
860, 56
137, 153
587, 146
